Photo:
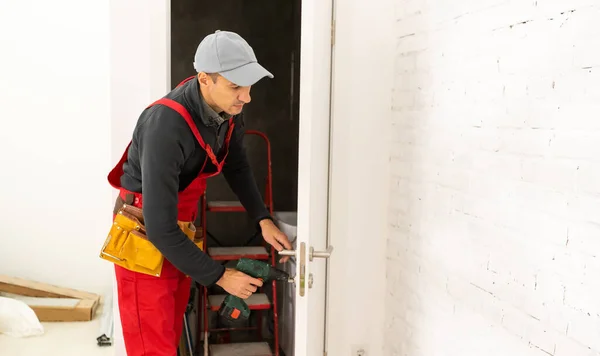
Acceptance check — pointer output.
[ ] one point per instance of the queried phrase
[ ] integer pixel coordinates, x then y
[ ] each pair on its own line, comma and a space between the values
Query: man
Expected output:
193, 133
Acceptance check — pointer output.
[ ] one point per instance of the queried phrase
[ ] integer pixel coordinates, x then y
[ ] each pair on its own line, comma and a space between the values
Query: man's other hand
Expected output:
275, 237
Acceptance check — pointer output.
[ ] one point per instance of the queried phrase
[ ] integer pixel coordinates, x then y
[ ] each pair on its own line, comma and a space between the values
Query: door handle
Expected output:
312, 254
319, 254
302, 266
291, 253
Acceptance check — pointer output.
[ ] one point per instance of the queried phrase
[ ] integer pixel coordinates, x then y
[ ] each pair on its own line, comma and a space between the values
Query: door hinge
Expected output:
332, 33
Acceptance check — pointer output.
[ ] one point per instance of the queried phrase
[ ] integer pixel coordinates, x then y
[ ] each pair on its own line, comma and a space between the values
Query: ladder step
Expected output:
225, 206
241, 349
257, 301
234, 253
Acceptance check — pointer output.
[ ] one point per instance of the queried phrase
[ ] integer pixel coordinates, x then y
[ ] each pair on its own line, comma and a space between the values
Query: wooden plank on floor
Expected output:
50, 302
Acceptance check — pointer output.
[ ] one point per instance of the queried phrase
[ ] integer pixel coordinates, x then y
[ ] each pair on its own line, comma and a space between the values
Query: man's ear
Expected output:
203, 78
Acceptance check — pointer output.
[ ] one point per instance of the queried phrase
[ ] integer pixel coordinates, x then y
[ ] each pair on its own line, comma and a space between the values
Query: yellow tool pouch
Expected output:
128, 246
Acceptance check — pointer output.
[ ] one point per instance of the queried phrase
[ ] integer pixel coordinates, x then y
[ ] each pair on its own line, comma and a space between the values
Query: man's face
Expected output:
224, 94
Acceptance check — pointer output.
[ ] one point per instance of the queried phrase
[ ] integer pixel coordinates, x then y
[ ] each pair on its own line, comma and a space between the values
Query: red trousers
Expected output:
152, 310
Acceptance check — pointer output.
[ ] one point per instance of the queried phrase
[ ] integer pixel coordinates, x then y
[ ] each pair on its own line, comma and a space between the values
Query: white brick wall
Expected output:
494, 244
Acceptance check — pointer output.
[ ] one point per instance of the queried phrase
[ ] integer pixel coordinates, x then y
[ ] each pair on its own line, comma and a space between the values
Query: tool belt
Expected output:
128, 246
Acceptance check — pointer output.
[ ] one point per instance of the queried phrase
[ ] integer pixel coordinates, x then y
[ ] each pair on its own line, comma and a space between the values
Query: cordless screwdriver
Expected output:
235, 308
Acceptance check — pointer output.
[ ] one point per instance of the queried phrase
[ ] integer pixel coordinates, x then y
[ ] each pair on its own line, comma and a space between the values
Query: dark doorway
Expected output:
272, 28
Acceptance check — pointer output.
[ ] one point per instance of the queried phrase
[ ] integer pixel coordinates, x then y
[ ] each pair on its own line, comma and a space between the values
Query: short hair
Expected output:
213, 76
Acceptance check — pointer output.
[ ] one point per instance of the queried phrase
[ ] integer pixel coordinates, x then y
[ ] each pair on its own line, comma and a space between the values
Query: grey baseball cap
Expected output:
228, 54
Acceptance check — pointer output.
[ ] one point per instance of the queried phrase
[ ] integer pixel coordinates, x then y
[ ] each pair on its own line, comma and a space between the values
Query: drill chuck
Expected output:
278, 275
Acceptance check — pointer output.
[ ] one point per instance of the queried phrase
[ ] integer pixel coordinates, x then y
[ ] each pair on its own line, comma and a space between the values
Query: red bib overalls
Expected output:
152, 308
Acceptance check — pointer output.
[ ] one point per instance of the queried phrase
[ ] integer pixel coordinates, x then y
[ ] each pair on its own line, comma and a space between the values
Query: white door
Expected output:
313, 177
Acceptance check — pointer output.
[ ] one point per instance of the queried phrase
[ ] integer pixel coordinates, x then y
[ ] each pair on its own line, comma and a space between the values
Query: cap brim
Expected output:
246, 75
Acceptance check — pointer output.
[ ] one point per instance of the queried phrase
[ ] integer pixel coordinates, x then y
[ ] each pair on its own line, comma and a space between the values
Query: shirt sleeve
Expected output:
239, 175
161, 158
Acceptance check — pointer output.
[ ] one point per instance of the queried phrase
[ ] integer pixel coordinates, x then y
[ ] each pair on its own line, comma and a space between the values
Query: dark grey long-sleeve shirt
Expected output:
165, 157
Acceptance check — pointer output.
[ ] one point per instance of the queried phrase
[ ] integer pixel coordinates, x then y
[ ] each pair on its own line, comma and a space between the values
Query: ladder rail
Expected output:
268, 201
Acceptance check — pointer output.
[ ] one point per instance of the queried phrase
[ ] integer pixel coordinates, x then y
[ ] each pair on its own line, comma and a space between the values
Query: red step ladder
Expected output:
259, 301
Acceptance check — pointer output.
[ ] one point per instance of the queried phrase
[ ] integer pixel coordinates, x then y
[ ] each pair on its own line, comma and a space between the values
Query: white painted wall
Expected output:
140, 74
495, 214
75, 77
363, 64
55, 142
139, 60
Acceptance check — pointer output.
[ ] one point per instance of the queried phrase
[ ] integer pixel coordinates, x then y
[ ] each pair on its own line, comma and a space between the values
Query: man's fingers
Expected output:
286, 243
276, 244
284, 240
245, 292
255, 281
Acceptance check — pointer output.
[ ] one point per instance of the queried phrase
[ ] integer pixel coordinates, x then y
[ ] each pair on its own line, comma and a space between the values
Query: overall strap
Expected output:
230, 132
114, 176
227, 141
188, 118
185, 81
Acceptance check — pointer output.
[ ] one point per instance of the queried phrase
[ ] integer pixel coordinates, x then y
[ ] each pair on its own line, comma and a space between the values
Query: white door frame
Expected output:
313, 175
141, 30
